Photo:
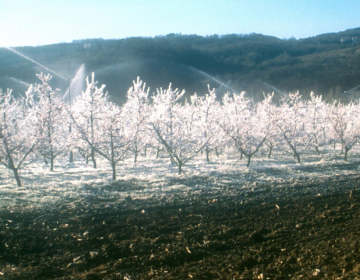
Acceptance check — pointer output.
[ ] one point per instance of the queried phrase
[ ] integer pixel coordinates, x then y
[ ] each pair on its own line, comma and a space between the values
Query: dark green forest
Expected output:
328, 64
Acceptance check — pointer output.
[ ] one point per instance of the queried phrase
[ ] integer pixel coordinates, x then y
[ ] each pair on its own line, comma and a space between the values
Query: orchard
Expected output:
172, 186
41, 127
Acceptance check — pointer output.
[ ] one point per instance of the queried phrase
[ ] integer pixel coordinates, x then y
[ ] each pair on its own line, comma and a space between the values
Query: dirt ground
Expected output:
298, 230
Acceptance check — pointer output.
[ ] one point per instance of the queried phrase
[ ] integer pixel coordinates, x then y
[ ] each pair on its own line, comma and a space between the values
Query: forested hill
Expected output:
328, 64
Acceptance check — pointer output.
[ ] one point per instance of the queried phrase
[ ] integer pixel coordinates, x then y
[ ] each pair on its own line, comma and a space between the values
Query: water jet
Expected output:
214, 79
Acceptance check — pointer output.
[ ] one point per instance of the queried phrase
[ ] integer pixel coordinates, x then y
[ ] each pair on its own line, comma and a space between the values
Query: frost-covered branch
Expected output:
17, 134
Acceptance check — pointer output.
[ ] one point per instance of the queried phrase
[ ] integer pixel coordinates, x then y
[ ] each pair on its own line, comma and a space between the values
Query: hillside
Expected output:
328, 64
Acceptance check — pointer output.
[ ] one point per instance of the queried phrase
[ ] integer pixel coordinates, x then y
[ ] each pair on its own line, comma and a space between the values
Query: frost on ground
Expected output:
220, 220
157, 177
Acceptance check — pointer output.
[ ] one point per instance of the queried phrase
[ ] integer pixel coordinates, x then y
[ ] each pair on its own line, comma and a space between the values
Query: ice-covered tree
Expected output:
291, 124
240, 122
103, 126
88, 109
208, 108
137, 110
18, 137
267, 116
176, 127
344, 123
116, 137
52, 121
315, 119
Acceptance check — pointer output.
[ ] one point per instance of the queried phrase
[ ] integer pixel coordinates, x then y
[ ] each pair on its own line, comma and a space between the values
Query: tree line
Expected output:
41, 126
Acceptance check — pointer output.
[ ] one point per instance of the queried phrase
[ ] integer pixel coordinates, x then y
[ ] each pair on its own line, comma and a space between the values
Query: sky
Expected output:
45, 22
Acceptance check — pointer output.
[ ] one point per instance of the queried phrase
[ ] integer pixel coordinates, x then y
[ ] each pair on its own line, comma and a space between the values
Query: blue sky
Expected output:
39, 22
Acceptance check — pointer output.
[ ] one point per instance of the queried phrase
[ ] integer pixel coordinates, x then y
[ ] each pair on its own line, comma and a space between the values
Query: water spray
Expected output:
37, 63
214, 79
274, 88
69, 81
20, 81
351, 90
80, 73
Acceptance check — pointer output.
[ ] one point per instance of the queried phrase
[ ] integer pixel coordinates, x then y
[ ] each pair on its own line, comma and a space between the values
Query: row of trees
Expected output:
41, 126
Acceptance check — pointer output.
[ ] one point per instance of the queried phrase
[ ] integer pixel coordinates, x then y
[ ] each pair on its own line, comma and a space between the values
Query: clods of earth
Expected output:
295, 230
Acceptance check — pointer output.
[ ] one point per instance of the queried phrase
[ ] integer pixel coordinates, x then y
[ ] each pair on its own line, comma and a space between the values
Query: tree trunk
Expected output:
71, 157
94, 162
216, 152
158, 152
346, 153
51, 164
293, 148
93, 158
52, 157
136, 153
248, 161
17, 177
317, 151
180, 167
15, 170
270, 151
207, 150
113, 166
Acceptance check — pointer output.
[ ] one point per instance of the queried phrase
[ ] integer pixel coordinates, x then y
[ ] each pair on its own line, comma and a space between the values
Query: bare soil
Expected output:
296, 230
